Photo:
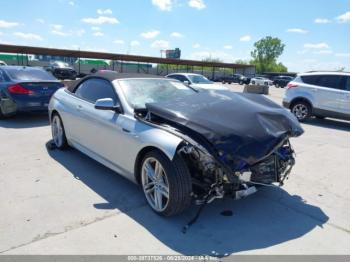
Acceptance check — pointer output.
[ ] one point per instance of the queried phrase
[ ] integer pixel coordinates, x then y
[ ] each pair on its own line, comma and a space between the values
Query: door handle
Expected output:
79, 107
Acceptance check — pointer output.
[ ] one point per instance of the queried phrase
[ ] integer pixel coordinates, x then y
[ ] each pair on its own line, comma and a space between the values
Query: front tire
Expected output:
166, 184
302, 110
58, 133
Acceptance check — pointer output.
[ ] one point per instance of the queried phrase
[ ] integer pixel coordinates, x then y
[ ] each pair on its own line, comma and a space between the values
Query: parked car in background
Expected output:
25, 89
320, 94
196, 81
235, 78
2, 63
282, 81
62, 70
261, 81
180, 145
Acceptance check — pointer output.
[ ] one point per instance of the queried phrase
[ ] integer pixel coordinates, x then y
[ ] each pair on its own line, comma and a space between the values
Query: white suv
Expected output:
320, 94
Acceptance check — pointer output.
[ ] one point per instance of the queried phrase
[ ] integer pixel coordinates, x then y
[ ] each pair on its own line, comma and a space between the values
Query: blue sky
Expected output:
316, 32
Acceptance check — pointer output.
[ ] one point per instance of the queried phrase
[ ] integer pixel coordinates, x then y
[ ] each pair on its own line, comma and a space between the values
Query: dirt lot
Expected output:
56, 202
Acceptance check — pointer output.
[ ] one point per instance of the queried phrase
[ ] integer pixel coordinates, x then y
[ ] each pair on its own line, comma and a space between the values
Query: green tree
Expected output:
265, 54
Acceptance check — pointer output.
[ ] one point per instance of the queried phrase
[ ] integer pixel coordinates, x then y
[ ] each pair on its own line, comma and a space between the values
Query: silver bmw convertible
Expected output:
181, 145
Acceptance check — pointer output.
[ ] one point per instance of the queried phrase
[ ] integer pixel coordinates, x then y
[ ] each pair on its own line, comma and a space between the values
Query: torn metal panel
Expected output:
242, 129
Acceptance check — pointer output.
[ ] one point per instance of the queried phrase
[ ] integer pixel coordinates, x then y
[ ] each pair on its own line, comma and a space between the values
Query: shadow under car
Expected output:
270, 217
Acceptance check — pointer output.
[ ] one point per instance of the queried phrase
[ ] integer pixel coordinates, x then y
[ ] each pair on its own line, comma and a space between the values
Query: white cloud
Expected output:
134, 43
150, 34
323, 52
228, 46
1, 33
322, 21
40, 20
196, 45
297, 30
104, 12
344, 18
160, 44
57, 27
245, 38
198, 4
98, 34
176, 35
118, 42
100, 20
80, 32
71, 3
316, 46
342, 54
28, 36
6, 24
164, 5
59, 33
95, 28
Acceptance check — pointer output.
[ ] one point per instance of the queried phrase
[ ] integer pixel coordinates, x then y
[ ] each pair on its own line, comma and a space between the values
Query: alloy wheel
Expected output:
155, 184
300, 111
57, 131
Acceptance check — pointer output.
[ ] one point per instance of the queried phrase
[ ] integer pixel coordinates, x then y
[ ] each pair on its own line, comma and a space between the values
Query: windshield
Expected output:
198, 79
139, 92
29, 74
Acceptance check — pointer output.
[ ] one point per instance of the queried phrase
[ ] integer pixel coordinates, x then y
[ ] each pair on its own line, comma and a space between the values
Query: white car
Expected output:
261, 81
320, 94
2, 63
196, 81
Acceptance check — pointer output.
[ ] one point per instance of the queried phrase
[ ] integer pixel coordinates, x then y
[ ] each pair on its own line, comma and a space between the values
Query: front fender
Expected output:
158, 138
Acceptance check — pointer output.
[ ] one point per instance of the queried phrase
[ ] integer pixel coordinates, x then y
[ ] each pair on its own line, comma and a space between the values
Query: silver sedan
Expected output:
130, 123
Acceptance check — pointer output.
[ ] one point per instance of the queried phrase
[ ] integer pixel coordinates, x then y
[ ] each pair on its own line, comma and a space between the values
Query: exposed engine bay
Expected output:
232, 142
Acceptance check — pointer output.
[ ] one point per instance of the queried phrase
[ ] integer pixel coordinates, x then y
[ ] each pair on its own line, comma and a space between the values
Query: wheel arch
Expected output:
139, 158
300, 98
52, 113
141, 154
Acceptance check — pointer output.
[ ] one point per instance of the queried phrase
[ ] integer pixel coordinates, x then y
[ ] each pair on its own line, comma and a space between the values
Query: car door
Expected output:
102, 131
345, 96
329, 92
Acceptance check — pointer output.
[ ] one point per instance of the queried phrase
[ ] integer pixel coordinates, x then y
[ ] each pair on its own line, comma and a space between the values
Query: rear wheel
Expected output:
3, 116
166, 184
302, 110
58, 133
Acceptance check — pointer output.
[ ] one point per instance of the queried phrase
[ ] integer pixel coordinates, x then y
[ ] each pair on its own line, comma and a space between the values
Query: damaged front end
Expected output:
232, 142
211, 179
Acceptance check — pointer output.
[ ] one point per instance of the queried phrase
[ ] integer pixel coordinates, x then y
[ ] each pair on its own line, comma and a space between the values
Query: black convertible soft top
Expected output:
109, 76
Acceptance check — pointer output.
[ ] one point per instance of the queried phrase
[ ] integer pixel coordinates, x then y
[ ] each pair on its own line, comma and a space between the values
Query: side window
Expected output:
310, 79
347, 83
331, 81
94, 89
179, 77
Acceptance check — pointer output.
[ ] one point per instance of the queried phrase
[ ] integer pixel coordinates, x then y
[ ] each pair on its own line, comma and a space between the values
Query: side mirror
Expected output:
107, 104
187, 83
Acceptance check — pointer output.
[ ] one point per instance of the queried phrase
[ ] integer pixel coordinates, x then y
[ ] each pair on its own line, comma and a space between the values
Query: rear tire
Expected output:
58, 133
301, 110
166, 184
3, 116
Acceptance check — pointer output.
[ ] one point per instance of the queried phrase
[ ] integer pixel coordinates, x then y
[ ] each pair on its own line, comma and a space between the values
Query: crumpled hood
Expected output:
238, 126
